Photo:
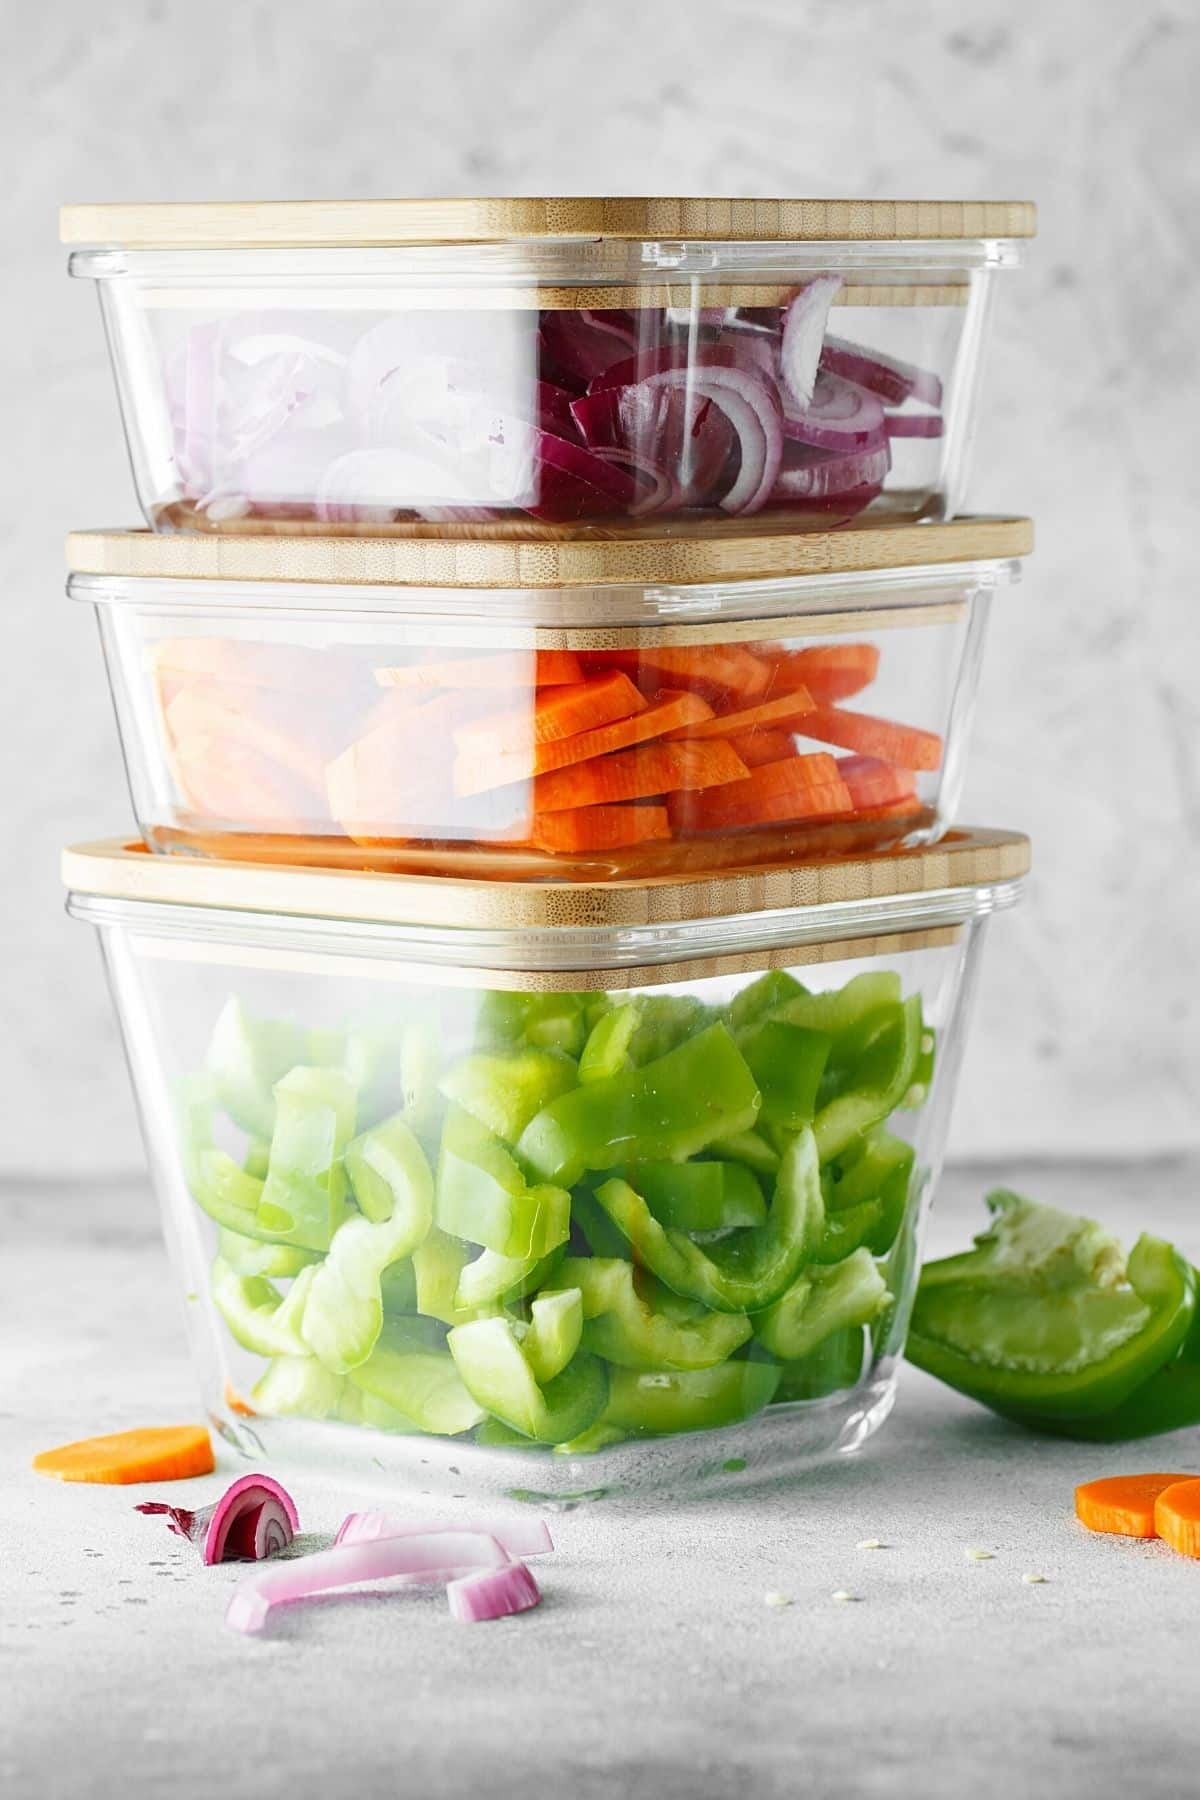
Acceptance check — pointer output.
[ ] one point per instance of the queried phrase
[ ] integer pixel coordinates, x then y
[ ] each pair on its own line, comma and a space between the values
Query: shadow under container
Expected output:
544, 1191
547, 365
565, 712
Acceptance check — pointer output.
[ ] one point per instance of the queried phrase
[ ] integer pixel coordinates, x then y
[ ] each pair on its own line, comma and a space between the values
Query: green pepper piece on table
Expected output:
669, 1109
633, 1323
503, 1089
882, 1077
699, 1196
258, 1316
1045, 1321
413, 1375
747, 1270
607, 1049
1168, 1401
787, 1062
303, 1197
822, 1301
482, 1195
657, 1403
344, 1314
497, 1373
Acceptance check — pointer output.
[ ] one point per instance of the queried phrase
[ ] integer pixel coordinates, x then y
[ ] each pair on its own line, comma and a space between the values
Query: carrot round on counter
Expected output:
1125, 1505
1177, 1515
153, 1453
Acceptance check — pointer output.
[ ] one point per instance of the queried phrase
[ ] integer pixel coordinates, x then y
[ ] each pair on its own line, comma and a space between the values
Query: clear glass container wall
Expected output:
547, 386
562, 734
682, 1376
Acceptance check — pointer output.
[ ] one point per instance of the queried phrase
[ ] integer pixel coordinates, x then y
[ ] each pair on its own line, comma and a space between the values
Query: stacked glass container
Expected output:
545, 691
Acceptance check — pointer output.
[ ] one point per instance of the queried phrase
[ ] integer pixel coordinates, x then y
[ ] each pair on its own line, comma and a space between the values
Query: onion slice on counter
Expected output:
492, 1594
252, 1520
427, 1557
803, 336
520, 1537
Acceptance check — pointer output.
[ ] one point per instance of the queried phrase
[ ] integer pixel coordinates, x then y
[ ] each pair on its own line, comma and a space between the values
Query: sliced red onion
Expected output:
752, 408
554, 410
253, 1519
752, 348
371, 486
680, 439
660, 492
580, 345
833, 476
915, 425
841, 417
431, 1557
492, 1594
520, 1537
803, 335
632, 369
893, 380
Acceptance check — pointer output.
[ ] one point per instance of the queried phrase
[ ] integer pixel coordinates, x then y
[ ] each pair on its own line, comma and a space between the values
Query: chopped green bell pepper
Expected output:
246, 1057
665, 1021
654, 1404
483, 1196
669, 1109
608, 1046
842, 1012
258, 1316
490, 1279
823, 1301
547, 1021
553, 1333
497, 1373
747, 1270
413, 1375
503, 1089
787, 1062
303, 1197
299, 1386
250, 1256
759, 999
749, 1147
882, 1077
835, 1364
699, 1196
1045, 1322
633, 1323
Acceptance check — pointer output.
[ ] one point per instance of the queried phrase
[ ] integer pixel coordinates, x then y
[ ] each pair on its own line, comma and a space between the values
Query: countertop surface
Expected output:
655, 1666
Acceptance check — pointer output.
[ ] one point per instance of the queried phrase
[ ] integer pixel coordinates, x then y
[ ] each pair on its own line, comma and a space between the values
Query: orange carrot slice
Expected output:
559, 712
236, 1404
153, 1453
875, 783
796, 705
803, 787
635, 774
1177, 1516
504, 669
719, 671
828, 671
600, 827
211, 709
1123, 1504
667, 713
904, 745
285, 667
234, 783
758, 747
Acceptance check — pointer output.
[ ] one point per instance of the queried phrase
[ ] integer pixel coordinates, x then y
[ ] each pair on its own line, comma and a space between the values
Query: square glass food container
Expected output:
546, 1191
546, 364
570, 711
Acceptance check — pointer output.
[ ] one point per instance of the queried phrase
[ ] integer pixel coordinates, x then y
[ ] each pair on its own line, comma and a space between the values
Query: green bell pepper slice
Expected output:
699, 1196
298, 1386
251, 1256
553, 1333
882, 1077
823, 1301
497, 1373
667, 1110
303, 1197
398, 1287
413, 1376
1044, 1321
483, 1196
420, 1075
835, 1365
503, 1089
749, 1147
257, 1159
759, 999
1168, 1401
848, 1230
842, 1012
607, 1050
641, 1325
747, 1270
665, 1021
665, 1401
246, 1057
258, 1316
787, 1062
344, 1315
437, 1264
227, 1193
546, 1021
490, 1280
594, 1226
388, 1169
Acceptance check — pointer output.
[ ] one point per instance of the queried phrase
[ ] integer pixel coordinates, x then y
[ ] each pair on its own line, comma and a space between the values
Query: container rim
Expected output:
463, 220
627, 559
933, 885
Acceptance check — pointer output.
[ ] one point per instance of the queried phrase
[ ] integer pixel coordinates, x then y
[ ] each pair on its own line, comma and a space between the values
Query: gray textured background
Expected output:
1087, 1037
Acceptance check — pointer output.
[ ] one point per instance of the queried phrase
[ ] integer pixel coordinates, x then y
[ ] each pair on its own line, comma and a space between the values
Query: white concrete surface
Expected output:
654, 1669
1088, 1040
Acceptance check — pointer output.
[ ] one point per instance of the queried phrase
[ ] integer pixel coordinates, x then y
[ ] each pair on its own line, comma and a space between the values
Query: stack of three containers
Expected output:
545, 691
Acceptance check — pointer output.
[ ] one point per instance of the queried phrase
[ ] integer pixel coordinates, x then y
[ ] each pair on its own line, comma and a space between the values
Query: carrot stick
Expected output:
1124, 1504
758, 747
634, 774
1177, 1516
221, 779
803, 787
210, 709
796, 705
559, 712
875, 783
153, 1453
503, 669
904, 745
828, 671
600, 827
668, 712
719, 671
